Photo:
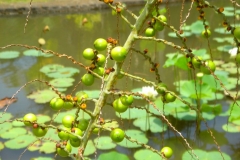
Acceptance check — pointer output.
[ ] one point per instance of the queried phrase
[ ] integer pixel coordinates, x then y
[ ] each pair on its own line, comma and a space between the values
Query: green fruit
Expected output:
75, 143
210, 64
61, 151
82, 124
119, 107
149, 32
238, 58
88, 53
169, 97
236, 33
160, 88
67, 121
117, 135
158, 26
56, 103
206, 34
99, 70
29, 119
63, 135
39, 131
95, 130
101, 59
100, 44
77, 131
81, 95
127, 100
68, 105
196, 61
118, 53
162, 18
166, 152
87, 79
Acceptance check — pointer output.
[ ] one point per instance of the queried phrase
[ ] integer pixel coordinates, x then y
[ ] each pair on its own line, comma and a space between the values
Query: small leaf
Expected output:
90, 148
104, 143
42, 96
5, 126
145, 154
132, 113
43, 118
5, 116
62, 82
232, 128
9, 54
14, 132
113, 155
20, 142
36, 53
48, 147
197, 27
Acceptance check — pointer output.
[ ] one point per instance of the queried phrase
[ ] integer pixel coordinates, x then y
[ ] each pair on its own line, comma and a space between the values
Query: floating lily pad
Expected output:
43, 118
145, 154
134, 134
5, 116
36, 53
202, 53
185, 34
205, 155
36, 146
18, 123
224, 39
104, 143
113, 124
90, 149
63, 72
224, 48
14, 132
48, 147
20, 142
42, 96
222, 31
113, 155
42, 158
156, 124
132, 113
232, 128
62, 82
51, 68
197, 27
1, 146
52, 134
188, 116
228, 13
9, 54
5, 126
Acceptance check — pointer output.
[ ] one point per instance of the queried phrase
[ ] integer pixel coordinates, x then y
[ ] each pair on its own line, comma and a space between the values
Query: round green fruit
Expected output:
95, 130
169, 97
87, 79
166, 152
76, 131
29, 119
101, 59
75, 143
100, 44
118, 53
88, 53
196, 61
82, 124
39, 131
162, 18
81, 95
238, 58
56, 103
160, 88
127, 100
63, 135
61, 151
68, 105
99, 70
119, 107
209, 64
67, 121
150, 32
236, 33
206, 33
158, 26
117, 135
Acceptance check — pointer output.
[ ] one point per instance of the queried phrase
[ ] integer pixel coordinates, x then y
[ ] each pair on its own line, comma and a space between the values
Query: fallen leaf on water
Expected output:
5, 101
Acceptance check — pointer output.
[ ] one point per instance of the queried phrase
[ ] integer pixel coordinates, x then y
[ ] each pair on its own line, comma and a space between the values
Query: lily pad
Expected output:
52, 134
222, 30
155, 124
35, 146
9, 54
36, 53
14, 132
185, 34
5, 116
48, 147
43, 118
224, 48
62, 82
104, 143
1, 146
51, 68
145, 154
42, 96
63, 72
136, 135
90, 149
205, 155
113, 155
20, 142
197, 27
42, 158
188, 116
113, 124
232, 128
5, 126
18, 123
132, 113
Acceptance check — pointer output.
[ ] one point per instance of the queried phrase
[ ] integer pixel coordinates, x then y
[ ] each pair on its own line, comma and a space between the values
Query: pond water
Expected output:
68, 36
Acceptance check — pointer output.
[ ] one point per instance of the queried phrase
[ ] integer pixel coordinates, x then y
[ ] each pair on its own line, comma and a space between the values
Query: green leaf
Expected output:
62, 82
104, 143
197, 27
9, 54
91, 93
152, 123
5, 116
221, 30
18, 123
63, 72
90, 148
113, 155
134, 134
42, 158
1, 146
42, 96
185, 34
36, 53
48, 147
232, 128
43, 118
5, 126
52, 134
132, 113
204, 155
112, 124
20, 142
36, 146
145, 154
172, 59
14, 132
224, 48
188, 116
215, 109
202, 53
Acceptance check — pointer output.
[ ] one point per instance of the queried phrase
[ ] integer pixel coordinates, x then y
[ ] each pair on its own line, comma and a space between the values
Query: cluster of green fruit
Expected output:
121, 104
208, 67
155, 25
118, 53
236, 33
167, 97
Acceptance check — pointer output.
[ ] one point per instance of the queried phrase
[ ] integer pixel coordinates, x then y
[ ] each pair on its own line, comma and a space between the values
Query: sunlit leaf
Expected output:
197, 27
113, 155
36, 146
63, 72
132, 113
42, 96
62, 82
232, 128
91, 93
185, 34
224, 48
36, 53
51, 68
48, 147
145, 154
5, 116
42, 158
221, 30
150, 123
134, 134
18, 124
188, 116
20, 142
202, 53
112, 124
90, 148
52, 134
5, 126
1, 146
14, 132
43, 118
9, 54
104, 143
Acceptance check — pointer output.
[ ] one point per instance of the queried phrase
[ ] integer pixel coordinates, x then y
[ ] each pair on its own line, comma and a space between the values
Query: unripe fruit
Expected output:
39, 131
196, 61
29, 119
236, 33
166, 152
149, 32
87, 79
206, 34
88, 53
210, 64
117, 135
118, 53
67, 121
119, 107
56, 103
61, 151
100, 44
